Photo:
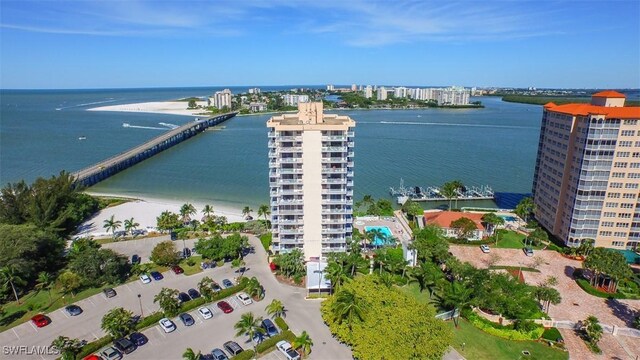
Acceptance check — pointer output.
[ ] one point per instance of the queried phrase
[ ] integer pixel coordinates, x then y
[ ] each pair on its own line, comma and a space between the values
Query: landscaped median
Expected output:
523, 330
154, 318
267, 345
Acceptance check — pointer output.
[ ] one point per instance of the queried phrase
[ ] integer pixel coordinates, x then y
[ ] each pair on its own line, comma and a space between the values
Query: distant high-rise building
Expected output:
293, 100
254, 91
221, 99
382, 93
330, 87
368, 92
354, 87
587, 172
400, 92
311, 181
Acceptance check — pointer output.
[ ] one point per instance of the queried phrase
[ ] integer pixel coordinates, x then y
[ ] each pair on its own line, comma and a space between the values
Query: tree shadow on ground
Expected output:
568, 271
12, 317
622, 311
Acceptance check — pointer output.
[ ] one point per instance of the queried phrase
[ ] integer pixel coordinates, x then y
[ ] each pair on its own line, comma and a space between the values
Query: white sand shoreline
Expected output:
156, 107
145, 210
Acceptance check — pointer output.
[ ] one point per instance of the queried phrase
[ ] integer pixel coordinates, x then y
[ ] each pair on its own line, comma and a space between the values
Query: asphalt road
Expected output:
204, 335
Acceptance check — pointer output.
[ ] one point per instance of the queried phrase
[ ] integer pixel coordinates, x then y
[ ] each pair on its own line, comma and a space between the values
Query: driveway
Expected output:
143, 246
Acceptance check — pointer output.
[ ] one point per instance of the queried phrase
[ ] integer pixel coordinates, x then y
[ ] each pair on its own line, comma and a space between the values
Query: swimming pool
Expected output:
508, 218
377, 241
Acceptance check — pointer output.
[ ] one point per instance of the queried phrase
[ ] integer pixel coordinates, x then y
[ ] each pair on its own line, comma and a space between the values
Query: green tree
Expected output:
348, 307
427, 275
412, 208
207, 211
14, 203
493, 221
45, 282
458, 186
205, 288
593, 330
10, 277
336, 273
168, 221
118, 322
254, 289
455, 296
586, 247
430, 244
167, 299
538, 236
525, 208
69, 282
69, 348
111, 224
100, 266
464, 226
276, 309
189, 354
192, 104
246, 212
165, 254
249, 325
130, 225
547, 296
264, 210
291, 264
448, 190
186, 212
603, 261
303, 342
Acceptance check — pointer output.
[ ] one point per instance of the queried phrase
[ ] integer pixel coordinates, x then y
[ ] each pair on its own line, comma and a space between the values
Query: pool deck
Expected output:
395, 227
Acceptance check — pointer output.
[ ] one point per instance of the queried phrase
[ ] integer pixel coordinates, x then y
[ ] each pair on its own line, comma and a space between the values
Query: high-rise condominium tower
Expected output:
587, 172
311, 180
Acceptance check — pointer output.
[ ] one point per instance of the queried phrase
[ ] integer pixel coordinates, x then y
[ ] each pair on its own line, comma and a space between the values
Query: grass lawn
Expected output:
480, 345
190, 270
512, 240
413, 290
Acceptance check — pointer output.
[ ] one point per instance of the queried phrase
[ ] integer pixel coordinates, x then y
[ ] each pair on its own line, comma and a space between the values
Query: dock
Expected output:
432, 193
95, 173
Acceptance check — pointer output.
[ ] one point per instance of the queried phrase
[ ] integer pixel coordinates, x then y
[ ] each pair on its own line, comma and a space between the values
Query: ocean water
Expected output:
39, 132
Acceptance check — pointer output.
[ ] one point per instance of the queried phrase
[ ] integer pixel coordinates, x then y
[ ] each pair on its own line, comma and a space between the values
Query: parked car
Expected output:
109, 292
216, 287
233, 348
287, 350
269, 327
177, 269
73, 310
218, 354
145, 278
167, 325
92, 357
187, 319
186, 253
227, 283
183, 297
110, 353
156, 275
40, 320
193, 293
244, 298
135, 259
205, 312
138, 338
124, 345
485, 248
225, 307
528, 251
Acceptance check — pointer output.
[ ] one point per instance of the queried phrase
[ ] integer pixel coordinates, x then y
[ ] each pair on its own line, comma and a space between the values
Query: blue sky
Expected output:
118, 43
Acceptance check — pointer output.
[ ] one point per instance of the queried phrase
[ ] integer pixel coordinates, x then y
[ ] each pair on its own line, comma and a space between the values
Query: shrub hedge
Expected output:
272, 341
552, 334
505, 332
281, 323
94, 346
244, 355
584, 284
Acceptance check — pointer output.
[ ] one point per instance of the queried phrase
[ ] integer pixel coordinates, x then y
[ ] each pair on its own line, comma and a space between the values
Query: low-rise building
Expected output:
444, 219
257, 106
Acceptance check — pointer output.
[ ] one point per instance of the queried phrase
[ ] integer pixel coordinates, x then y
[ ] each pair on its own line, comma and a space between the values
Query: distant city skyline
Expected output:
133, 44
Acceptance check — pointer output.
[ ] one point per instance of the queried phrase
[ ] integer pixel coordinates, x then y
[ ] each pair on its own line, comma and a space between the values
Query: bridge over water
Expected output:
95, 173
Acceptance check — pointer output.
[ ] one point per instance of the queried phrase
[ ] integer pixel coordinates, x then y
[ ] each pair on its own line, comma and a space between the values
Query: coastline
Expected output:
145, 210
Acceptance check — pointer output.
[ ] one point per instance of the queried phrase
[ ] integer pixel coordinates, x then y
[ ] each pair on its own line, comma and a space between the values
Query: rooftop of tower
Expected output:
310, 115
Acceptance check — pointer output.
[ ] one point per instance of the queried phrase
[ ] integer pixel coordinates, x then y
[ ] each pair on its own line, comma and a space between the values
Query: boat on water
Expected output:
125, 125
82, 138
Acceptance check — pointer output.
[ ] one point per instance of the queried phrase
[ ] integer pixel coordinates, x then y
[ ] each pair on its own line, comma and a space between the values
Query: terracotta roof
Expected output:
609, 94
627, 112
444, 218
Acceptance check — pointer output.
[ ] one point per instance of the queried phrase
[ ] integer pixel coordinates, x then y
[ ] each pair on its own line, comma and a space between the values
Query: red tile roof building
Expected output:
444, 219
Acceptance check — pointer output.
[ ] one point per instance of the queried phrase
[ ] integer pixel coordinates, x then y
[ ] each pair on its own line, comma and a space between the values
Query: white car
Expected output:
205, 312
244, 298
167, 325
485, 248
286, 349
145, 278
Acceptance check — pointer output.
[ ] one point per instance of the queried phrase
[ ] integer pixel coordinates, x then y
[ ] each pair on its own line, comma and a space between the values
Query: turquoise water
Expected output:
383, 229
427, 147
508, 218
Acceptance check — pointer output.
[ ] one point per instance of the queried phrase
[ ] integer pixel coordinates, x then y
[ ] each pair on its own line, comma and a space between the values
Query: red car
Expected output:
177, 269
92, 357
40, 320
225, 307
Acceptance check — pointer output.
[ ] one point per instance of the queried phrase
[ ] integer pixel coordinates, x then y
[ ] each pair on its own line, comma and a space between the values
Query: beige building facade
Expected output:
311, 181
587, 174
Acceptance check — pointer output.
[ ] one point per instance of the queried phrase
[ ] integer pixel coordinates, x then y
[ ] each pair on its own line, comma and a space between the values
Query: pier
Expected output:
95, 173
432, 193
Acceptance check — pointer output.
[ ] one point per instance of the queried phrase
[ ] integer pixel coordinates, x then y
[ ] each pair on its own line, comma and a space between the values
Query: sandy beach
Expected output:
145, 211
156, 107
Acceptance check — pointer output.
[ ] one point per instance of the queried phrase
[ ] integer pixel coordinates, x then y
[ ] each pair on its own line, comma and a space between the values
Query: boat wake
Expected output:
127, 125
170, 126
85, 104
454, 124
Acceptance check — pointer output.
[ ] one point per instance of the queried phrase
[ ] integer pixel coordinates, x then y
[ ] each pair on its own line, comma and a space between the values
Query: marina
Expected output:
433, 193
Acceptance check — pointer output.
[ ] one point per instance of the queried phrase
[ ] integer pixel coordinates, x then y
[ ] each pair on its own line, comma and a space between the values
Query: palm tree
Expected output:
456, 296
186, 211
458, 186
10, 277
525, 207
593, 329
303, 342
249, 325
112, 224
348, 307
335, 273
189, 354
276, 309
69, 348
246, 212
493, 221
254, 288
207, 211
448, 190
45, 282
130, 225
264, 210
